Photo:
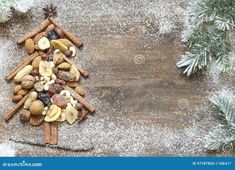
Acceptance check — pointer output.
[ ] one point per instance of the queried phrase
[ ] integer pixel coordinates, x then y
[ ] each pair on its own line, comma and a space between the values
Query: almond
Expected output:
65, 41
29, 46
39, 36
64, 66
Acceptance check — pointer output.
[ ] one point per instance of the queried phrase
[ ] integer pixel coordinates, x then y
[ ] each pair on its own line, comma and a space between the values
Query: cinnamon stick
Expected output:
51, 133
21, 65
79, 68
16, 108
37, 30
80, 99
68, 34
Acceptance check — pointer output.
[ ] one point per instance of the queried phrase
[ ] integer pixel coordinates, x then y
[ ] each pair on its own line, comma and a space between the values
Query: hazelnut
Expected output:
36, 108
68, 53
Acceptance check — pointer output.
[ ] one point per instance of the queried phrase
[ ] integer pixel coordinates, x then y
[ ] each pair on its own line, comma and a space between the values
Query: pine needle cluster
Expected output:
207, 38
224, 112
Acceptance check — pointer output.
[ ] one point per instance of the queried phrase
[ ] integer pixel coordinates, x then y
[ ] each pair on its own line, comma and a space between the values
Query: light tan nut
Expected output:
32, 97
45, 68
74, 52
44, 43
53, 113
28, 82
80, 90
16, 98
38, 86
36, 120
71, 115
22, 92
39, 36
75, 72
24, 115
50, 28
25, 71
36, 107
58, 45
64, 66
16, 89
29, 46
58, 58
36, 61
66, 42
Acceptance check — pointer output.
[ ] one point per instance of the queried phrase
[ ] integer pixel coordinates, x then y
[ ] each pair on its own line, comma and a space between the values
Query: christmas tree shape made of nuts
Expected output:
47, 89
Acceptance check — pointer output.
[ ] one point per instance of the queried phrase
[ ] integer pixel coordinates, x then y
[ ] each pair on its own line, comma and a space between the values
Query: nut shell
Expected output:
24, 115
36, 61
36, 108
28, 82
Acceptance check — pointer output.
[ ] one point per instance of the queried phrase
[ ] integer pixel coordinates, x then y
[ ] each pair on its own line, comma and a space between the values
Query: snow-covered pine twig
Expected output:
220, 12
19, 5
224, 112
204, 45
206, 36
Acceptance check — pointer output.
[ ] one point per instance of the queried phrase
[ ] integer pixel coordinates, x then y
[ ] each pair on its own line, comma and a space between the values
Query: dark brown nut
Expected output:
64, 66
16, 89
58, 32
68, 53
39, 36
28, 82
50, 28
36, 107
22, 92
66, 76
29, 46
59, 100
55, 88
55, 70
80, 90
79, 106
36, 120
16, 98
59, 81
24, 115
35, 72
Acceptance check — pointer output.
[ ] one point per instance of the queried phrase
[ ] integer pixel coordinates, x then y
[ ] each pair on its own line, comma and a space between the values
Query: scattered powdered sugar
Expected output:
7, 149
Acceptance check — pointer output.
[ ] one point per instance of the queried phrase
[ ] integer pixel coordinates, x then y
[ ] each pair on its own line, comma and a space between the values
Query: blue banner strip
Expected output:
119, 163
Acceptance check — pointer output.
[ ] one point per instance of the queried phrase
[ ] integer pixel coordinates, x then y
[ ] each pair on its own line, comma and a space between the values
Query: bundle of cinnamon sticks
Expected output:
58, 77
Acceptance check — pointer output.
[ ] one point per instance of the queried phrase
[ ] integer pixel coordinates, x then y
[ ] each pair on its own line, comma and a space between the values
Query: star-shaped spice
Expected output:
50, 11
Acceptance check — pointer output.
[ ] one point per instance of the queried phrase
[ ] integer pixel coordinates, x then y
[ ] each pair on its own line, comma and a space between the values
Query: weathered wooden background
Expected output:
145, 106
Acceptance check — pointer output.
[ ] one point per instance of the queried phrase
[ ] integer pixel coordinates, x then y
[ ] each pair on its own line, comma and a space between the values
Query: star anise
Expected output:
50, 11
